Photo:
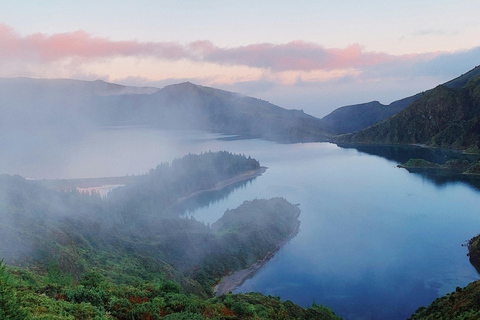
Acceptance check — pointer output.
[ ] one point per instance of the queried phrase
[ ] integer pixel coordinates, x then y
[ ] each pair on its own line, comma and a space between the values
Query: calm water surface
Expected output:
375, 241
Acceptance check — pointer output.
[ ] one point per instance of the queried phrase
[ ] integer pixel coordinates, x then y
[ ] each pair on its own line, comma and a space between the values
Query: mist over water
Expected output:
375, 241
107, 152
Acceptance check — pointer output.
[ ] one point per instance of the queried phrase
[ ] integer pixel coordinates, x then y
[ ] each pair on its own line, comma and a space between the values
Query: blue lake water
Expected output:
375, 241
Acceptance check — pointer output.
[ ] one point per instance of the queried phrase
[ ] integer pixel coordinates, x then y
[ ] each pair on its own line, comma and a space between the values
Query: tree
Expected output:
10, 304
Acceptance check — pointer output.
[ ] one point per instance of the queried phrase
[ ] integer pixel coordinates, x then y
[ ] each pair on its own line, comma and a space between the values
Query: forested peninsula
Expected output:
72, 255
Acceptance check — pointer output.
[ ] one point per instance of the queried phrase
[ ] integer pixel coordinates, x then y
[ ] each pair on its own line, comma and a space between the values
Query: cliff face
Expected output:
443, 117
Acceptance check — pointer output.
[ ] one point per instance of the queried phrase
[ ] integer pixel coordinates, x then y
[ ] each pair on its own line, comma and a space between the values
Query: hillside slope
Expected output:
66, 106
357, 117
443, 117
360, 116
189, 106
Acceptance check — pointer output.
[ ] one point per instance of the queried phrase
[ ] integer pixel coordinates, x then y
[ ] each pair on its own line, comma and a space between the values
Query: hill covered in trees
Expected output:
357, 117
443, 117
127, 256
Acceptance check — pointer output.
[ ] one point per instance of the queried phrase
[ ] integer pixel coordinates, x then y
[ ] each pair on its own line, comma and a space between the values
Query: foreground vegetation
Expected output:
130, 256
27, 295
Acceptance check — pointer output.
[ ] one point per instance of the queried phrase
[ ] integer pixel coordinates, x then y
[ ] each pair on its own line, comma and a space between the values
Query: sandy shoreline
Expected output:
229, 283
222, 184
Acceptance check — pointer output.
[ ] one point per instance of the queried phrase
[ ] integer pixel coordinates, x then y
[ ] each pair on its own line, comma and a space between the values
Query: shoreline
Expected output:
221, 184
235, 280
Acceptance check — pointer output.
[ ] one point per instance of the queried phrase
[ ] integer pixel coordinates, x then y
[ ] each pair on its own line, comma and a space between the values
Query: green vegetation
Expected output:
130, 256
419, 163
462, 304
357, 117
454, 166
474, 168
443, 117
10, 302
360, 116
27, 295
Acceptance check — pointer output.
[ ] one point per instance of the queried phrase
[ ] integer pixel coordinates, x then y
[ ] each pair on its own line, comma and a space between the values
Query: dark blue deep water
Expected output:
375, 241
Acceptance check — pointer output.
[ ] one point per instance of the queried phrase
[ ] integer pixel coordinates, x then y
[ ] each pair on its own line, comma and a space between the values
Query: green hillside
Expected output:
443, 117
360, 116
357, 117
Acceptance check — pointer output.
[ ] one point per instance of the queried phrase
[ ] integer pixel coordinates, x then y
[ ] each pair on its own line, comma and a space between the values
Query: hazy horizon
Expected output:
311, 56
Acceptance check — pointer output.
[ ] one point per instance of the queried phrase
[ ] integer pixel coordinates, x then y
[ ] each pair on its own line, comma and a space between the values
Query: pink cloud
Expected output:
296, 55
81, 45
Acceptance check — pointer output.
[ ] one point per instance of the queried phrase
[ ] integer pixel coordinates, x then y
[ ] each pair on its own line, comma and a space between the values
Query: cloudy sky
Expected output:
310, 55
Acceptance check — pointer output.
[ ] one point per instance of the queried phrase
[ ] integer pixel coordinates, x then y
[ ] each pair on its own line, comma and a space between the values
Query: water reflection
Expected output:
440, 178
205, 199
402, 154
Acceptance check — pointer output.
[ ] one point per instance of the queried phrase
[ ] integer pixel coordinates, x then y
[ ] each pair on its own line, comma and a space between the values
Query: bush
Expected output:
10, 304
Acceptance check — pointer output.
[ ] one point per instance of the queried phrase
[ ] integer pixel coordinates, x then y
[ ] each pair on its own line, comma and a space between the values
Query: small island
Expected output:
454, 166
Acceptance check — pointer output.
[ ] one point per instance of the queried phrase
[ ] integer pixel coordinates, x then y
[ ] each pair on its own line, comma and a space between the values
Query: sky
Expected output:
311, 55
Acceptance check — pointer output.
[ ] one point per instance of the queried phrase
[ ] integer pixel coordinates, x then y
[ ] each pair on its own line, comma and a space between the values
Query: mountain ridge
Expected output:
178, 106
443, 117
352, 118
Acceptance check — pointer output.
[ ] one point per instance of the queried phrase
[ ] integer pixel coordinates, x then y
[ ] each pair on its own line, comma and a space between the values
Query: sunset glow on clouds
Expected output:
308, 56
282, 62
297, 55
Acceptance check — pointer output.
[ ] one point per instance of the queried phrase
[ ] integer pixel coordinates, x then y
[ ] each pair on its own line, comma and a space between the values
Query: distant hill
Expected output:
356, 117
189, 106
462, 80
71, 103
359, 116
442, 117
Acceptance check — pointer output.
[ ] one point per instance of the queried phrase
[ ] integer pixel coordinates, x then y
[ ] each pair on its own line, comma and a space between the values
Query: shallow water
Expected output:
375, 241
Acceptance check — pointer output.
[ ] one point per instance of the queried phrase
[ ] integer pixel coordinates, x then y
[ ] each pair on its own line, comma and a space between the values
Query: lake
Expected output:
375, 241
